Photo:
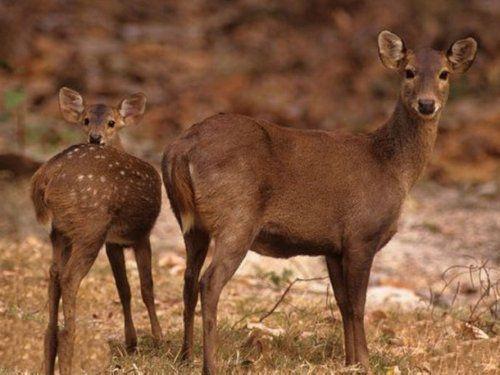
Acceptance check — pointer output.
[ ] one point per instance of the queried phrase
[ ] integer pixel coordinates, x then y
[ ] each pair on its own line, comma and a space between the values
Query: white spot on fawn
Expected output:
122, 173
94, 192
80, 177
83, 155
90, 176
102, 178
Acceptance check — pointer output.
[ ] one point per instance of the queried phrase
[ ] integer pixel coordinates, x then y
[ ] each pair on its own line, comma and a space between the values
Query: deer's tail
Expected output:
179, 186
39, 183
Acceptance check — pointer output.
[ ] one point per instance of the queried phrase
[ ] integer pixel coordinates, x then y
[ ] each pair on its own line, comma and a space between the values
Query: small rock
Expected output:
381, 296
171, 260
488, 189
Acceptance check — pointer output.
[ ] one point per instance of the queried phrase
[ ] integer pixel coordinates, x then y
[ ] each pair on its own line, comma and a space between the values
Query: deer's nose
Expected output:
95, 138
426, 106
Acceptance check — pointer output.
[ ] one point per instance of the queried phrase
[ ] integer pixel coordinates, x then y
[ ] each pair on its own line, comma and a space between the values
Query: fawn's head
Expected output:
100, 122
425, 72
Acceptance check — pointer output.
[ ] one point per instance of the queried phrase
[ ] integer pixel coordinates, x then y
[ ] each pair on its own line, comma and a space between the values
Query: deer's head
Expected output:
425, 72
100, 122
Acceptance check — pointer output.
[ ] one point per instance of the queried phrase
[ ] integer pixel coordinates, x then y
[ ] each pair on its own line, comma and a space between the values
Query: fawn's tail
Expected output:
39, 183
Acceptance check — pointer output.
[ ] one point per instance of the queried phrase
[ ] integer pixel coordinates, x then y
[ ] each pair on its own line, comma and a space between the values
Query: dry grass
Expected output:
311, 341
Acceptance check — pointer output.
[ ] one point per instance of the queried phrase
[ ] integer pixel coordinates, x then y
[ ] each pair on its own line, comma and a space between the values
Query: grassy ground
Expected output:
307, 336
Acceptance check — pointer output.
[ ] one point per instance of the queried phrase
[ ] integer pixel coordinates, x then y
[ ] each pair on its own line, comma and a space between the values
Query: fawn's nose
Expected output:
426, 106
95, 138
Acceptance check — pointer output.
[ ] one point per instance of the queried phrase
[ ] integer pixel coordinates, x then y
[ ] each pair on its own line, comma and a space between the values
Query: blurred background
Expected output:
309, 64
300, 63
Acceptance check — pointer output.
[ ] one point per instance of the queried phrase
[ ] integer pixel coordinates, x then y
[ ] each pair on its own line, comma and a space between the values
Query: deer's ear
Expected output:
391, 49
132, 108
461, 54
70, 104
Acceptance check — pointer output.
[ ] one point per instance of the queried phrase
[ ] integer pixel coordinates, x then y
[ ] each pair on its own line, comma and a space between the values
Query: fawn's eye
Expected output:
86, 121
409, 74
111, 124
444, 75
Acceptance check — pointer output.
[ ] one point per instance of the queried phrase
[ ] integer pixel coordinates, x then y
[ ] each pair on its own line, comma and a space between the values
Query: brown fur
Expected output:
283, 192
95, 195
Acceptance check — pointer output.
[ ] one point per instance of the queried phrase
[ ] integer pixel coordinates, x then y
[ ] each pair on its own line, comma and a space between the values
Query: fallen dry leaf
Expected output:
475, 332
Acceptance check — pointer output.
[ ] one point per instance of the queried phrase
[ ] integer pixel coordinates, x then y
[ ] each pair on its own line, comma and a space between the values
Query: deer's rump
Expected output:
85, 186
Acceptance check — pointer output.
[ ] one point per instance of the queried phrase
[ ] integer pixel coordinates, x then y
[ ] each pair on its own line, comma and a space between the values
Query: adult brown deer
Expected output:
281, 192
95, 195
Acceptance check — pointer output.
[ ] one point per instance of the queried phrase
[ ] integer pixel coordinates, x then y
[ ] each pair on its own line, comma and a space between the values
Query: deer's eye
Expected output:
86, 121
444, 75
409, 74
111, 124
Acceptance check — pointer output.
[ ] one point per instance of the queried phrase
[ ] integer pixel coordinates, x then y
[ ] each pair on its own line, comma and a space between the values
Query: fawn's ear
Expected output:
391, 49
70, 104
132, 109
461, 54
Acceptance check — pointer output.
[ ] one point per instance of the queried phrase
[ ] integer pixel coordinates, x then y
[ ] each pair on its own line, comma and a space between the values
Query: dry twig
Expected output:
287, 290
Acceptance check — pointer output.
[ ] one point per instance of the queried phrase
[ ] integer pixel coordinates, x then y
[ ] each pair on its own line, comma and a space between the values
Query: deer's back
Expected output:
93, 190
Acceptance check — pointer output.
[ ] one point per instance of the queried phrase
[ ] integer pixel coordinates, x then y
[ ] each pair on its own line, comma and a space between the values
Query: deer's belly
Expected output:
279, 243
119, 236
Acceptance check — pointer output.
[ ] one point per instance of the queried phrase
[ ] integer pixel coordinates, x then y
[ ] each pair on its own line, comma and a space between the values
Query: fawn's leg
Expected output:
357, 266
337, 278
78, 265
197, 242
143, 257
230, 250
117, 260
60, 251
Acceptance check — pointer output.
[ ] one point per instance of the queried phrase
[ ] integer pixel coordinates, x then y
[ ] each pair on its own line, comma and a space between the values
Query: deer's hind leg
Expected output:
197, 242
60, 252
231, 247
81, 259
143, 257
117, 261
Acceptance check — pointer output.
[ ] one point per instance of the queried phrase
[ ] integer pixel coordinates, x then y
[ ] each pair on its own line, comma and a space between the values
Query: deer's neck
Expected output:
116, 142
405, 143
